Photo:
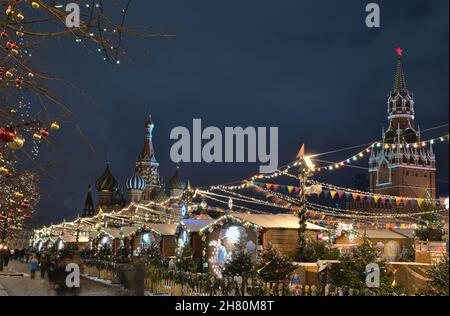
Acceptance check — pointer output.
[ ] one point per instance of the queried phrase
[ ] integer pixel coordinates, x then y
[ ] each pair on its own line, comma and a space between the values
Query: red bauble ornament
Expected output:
43, 132
19, 82
24, 204
4, 34
7, 134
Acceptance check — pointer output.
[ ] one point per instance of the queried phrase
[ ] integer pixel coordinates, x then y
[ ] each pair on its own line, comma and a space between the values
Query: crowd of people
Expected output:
7, 254
49, 266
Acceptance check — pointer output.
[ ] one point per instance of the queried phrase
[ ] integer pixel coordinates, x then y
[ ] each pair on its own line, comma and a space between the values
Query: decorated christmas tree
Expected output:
240, 264
351, 273
430, 225
317, 250
273, 267
438, 279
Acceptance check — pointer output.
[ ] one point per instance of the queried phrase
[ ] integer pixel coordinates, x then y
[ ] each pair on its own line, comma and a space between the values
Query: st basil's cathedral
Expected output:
143, 186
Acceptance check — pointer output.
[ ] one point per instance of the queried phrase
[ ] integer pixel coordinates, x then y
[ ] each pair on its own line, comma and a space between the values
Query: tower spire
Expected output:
399, 83
148, 152
88, 209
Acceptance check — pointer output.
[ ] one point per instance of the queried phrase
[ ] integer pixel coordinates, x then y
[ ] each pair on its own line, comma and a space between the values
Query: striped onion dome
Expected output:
136, 182
106, 182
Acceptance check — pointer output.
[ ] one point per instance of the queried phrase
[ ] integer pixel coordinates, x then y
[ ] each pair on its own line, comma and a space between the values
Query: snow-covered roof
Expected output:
69, 238
164, 229
409, 233
194, 225
380, 233
285, 221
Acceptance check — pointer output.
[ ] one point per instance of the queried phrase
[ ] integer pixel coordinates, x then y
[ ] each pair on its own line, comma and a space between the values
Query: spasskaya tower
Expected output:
402, 165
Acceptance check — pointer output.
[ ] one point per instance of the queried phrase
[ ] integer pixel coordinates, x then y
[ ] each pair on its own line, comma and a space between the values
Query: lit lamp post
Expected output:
306, 168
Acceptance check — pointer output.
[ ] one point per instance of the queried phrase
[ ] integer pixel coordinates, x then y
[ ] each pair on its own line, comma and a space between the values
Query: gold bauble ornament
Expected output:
55, 126
17, 143
19, 195
37, 136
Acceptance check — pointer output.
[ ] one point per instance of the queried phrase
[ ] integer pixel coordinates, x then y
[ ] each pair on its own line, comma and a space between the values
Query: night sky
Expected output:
311, 68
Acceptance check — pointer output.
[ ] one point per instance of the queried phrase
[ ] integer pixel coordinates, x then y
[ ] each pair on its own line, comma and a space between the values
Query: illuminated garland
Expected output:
337, 213
361, 195
229, 218
284, 170
246, 199
247, 209
368, 150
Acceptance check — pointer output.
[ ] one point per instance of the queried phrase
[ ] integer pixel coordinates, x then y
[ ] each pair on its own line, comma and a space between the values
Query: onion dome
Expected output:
136, 182
106, 182
176, 182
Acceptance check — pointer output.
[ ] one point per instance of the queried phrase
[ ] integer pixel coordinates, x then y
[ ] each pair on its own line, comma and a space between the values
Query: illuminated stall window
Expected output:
60, 245
146, 240
105, 242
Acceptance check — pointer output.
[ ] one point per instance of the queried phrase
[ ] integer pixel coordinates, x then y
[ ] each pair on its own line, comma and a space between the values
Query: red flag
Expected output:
301, 152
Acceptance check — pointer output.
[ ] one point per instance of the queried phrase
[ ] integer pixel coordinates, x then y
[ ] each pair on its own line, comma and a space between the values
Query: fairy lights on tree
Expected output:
30, 111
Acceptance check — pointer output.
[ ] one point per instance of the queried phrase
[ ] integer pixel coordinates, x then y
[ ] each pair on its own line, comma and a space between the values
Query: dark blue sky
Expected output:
312, 68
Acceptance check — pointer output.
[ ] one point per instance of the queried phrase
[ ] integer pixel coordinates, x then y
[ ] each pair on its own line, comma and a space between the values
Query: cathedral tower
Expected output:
89, 209
401, 165
147, 166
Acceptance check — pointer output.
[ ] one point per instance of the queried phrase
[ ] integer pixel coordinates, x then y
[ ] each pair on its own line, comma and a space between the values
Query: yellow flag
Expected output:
419, 202
376, 198
332, 193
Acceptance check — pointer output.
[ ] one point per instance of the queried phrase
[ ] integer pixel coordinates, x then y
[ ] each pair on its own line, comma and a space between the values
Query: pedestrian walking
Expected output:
7, 255
43, 267
34, 263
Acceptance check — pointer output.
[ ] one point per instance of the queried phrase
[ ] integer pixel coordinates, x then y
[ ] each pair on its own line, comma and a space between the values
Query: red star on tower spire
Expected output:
399, 51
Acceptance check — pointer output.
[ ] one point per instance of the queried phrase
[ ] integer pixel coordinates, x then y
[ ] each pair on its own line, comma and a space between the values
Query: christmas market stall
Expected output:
252, 233
161, 235
188, 234
430, 251
389, 243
